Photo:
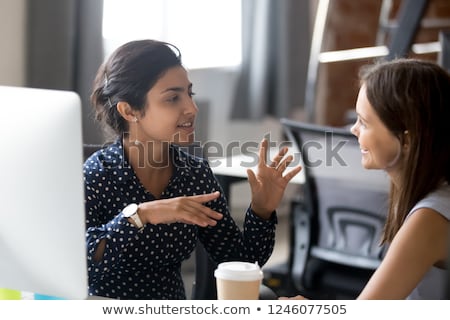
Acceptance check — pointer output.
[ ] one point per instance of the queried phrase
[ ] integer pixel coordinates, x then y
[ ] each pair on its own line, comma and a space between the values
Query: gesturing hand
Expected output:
189, 209
297, 297
268, 184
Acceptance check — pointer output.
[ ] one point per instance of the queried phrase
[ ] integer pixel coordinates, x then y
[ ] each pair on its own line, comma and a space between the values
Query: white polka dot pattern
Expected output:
147, 265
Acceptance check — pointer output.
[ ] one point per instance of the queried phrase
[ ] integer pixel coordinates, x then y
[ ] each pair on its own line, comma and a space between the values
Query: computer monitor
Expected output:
42, 229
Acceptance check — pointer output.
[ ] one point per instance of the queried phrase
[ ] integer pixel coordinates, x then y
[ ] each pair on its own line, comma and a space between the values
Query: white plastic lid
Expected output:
238, 271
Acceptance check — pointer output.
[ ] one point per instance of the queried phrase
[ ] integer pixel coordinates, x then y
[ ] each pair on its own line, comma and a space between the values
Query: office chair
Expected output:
338, 219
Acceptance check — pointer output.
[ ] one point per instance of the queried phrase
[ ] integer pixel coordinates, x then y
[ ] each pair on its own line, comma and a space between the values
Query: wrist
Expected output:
131, 212
261, 212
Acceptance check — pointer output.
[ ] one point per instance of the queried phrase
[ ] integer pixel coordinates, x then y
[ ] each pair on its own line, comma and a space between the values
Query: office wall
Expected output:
217, 86
354, 24
12, 42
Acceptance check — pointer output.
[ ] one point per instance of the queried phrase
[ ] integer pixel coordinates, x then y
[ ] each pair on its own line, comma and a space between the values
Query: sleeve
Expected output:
113, 227
226, 241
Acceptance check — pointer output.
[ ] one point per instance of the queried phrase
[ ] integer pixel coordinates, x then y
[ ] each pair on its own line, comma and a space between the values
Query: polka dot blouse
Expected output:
147, 264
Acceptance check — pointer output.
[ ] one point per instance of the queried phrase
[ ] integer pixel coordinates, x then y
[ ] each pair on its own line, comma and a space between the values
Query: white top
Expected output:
433, 284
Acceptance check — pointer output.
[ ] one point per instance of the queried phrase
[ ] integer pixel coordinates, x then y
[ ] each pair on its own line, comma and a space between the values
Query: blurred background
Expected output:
251, 61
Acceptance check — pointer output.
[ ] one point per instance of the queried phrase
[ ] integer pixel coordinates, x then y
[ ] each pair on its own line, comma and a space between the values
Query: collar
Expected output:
113, 158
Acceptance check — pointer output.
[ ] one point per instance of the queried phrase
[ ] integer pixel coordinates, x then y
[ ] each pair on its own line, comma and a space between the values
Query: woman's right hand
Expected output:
189, 209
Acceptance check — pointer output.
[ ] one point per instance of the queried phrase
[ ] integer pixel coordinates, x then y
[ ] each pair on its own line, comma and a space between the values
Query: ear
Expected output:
406, 140
126, 111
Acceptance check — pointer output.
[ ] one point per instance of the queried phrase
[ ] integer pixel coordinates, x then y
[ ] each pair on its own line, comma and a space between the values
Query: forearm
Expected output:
227, 242
107, 242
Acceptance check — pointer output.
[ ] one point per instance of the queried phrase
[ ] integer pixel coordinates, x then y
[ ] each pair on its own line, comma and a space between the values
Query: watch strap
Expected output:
137, 221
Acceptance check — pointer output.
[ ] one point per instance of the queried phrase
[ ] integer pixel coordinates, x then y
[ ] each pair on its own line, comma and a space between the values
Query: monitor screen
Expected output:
42, 229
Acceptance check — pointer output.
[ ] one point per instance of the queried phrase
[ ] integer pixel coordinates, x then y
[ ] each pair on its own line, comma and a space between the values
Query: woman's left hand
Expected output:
297, 297
268, 184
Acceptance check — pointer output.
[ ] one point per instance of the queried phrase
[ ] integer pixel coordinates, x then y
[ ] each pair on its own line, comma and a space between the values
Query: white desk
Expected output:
236, 166
234, 169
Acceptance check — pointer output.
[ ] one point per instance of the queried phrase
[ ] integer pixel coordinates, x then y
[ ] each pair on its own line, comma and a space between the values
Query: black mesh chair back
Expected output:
339, 220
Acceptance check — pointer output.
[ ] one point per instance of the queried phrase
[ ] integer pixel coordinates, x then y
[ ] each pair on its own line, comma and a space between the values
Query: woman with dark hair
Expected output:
148, 201
403, 110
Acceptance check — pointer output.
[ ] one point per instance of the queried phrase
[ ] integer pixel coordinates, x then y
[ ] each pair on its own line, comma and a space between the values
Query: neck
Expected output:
151, 163
147, 156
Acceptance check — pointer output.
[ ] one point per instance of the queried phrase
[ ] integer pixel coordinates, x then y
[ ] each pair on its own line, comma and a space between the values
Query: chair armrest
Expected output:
302, 241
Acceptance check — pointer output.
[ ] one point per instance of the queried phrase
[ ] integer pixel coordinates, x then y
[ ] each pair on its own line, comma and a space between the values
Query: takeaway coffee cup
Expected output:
238, 280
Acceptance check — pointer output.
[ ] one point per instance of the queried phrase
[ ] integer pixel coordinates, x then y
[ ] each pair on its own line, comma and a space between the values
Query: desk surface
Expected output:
236, 166
352, 172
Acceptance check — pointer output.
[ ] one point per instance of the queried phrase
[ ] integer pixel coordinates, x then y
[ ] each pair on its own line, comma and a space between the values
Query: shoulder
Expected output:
189, 157
437, 201
105, 160
430, 217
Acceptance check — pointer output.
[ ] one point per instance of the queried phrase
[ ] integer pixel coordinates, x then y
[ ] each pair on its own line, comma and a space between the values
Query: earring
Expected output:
136, 141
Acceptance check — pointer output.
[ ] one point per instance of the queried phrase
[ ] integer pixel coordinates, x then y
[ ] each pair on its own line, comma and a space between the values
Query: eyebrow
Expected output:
177, 89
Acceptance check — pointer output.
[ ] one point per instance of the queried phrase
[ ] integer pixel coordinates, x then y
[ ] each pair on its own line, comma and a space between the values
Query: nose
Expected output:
191, 108
354, 129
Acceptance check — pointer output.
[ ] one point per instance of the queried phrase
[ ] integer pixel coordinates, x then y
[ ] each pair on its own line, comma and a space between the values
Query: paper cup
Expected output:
238, 280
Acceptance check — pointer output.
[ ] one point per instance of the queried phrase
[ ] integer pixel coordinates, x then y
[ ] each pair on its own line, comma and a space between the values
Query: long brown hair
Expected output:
412, 96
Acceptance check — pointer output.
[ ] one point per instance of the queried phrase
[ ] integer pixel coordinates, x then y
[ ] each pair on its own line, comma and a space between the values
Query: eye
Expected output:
173, 98
361, 123
191, 93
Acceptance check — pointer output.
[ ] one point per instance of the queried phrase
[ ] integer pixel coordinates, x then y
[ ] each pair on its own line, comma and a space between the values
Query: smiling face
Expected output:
170, 110
380, 149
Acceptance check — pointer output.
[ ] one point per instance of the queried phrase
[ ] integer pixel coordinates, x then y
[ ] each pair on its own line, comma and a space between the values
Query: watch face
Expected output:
130, 210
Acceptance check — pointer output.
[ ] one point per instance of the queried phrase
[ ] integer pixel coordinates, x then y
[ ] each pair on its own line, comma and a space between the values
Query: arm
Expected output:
225, 241
256, 242
122, 231
419, 244
106, 234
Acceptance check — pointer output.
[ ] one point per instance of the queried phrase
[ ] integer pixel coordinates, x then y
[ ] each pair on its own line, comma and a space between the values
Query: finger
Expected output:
288, 176
276, 160
193, 205
202, 198
199, 215
197, 208
263, 152
196, 220
297, 297
251, 177
282, 152
285, 163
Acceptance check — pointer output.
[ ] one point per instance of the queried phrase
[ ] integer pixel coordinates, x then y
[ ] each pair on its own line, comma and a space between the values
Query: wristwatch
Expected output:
131, 211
